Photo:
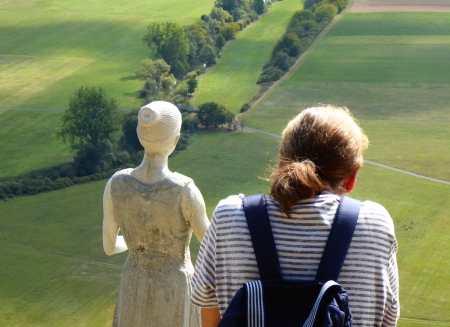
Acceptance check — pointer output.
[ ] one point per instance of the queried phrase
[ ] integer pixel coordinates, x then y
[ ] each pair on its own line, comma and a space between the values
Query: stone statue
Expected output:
156, 211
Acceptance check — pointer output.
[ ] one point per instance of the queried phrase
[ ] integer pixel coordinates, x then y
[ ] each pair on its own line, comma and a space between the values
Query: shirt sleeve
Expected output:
392, 309
204, 280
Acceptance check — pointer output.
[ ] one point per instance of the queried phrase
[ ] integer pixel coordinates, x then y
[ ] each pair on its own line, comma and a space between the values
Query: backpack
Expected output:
277, 302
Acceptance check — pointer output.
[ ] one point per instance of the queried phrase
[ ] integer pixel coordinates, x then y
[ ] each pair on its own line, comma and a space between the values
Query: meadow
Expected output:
232, 81
57, 273
54, 271
392, 70
48, 49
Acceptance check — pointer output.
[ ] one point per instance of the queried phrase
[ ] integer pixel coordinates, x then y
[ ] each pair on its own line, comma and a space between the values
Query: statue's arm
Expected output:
112, 242
194, 211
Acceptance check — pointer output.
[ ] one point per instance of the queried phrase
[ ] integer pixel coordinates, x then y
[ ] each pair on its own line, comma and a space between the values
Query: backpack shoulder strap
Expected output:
262, 238
338, 243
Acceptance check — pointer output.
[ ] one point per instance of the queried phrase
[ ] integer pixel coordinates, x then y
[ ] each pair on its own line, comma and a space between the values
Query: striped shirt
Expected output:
369, 275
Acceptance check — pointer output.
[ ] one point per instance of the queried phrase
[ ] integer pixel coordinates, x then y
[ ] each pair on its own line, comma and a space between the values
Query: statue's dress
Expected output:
155, 285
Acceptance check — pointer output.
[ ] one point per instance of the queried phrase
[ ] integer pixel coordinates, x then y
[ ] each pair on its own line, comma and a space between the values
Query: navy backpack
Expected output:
277, 302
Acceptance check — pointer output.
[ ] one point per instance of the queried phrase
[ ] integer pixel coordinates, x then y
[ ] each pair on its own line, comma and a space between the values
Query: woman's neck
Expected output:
153, 169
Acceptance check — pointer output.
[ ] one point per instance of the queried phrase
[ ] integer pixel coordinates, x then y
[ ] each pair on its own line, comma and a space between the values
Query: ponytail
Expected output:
294, 181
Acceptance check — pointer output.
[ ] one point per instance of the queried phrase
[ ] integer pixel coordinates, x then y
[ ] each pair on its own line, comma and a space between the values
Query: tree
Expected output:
208, 55
170, 42
91, 118
158, 81
192, 84
129, 125
211, 114
87, 126
220, 42
229, 31
325, 12
259, 6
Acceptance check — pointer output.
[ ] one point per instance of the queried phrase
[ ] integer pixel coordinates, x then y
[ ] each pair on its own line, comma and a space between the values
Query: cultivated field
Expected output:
393, 71
232, 82
400, 5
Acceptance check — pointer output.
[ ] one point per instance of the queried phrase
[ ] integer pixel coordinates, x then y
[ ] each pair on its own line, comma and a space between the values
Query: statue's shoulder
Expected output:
121, 174
181, 179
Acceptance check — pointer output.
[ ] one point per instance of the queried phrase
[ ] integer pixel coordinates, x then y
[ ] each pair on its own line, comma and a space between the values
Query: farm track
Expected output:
90, 262
367, 161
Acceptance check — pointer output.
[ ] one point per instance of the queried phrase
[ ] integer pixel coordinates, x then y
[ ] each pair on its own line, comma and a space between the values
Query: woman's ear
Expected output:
349, 183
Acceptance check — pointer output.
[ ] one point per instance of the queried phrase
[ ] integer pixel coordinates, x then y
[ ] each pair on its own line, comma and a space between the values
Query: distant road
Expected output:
366, 161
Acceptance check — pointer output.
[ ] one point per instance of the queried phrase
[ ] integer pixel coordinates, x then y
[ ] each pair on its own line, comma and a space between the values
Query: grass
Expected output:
54, 271
28, 142
232, 82
392, 70
49, 49
58, 274
382, 66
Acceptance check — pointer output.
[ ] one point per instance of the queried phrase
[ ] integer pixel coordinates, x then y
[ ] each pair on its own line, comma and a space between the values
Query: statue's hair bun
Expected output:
158, 120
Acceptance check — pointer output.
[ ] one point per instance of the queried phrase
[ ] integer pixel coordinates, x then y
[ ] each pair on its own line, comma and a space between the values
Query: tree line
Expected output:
179, 54
304, 26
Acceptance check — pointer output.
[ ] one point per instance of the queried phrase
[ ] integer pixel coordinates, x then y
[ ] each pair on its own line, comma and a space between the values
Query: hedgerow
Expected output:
304, 27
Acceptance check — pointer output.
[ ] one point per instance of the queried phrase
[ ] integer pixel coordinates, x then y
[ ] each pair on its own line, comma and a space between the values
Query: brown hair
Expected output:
321, 144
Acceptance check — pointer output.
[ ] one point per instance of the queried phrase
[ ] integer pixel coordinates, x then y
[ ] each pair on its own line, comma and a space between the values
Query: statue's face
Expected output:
165, 146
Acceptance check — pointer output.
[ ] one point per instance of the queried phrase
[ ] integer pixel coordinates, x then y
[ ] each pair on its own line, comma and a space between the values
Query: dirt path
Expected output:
400, 5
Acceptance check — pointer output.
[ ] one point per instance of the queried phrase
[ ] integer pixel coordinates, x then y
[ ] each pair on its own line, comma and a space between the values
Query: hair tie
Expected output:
309, 162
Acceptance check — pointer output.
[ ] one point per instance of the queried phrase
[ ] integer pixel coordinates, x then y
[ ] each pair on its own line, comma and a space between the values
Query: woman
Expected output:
320, 155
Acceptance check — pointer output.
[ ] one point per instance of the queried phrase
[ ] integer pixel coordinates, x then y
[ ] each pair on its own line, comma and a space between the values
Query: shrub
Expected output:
220, 42
245, 107
304, 14
229, 31
326, 12
287, 41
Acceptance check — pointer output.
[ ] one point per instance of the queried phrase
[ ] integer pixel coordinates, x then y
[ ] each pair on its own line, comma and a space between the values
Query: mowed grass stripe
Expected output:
42, 72
109, 32
232, 82
28, 141
396, 82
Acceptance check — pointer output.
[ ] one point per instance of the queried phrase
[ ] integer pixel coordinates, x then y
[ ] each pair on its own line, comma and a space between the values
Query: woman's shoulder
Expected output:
233, 201
375, 215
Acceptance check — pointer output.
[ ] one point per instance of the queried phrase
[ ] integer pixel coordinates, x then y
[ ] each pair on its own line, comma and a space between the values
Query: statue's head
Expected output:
159, 124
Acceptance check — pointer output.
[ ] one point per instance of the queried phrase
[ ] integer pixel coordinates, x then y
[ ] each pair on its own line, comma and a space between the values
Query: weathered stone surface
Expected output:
156, 211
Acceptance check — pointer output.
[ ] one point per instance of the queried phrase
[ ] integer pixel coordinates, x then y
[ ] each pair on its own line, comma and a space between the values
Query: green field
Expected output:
54, 271
29, 141
48, 49
232, 82
393, 71
58, 274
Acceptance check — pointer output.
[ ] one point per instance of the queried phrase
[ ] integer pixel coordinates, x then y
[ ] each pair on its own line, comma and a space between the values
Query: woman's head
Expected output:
321, 147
